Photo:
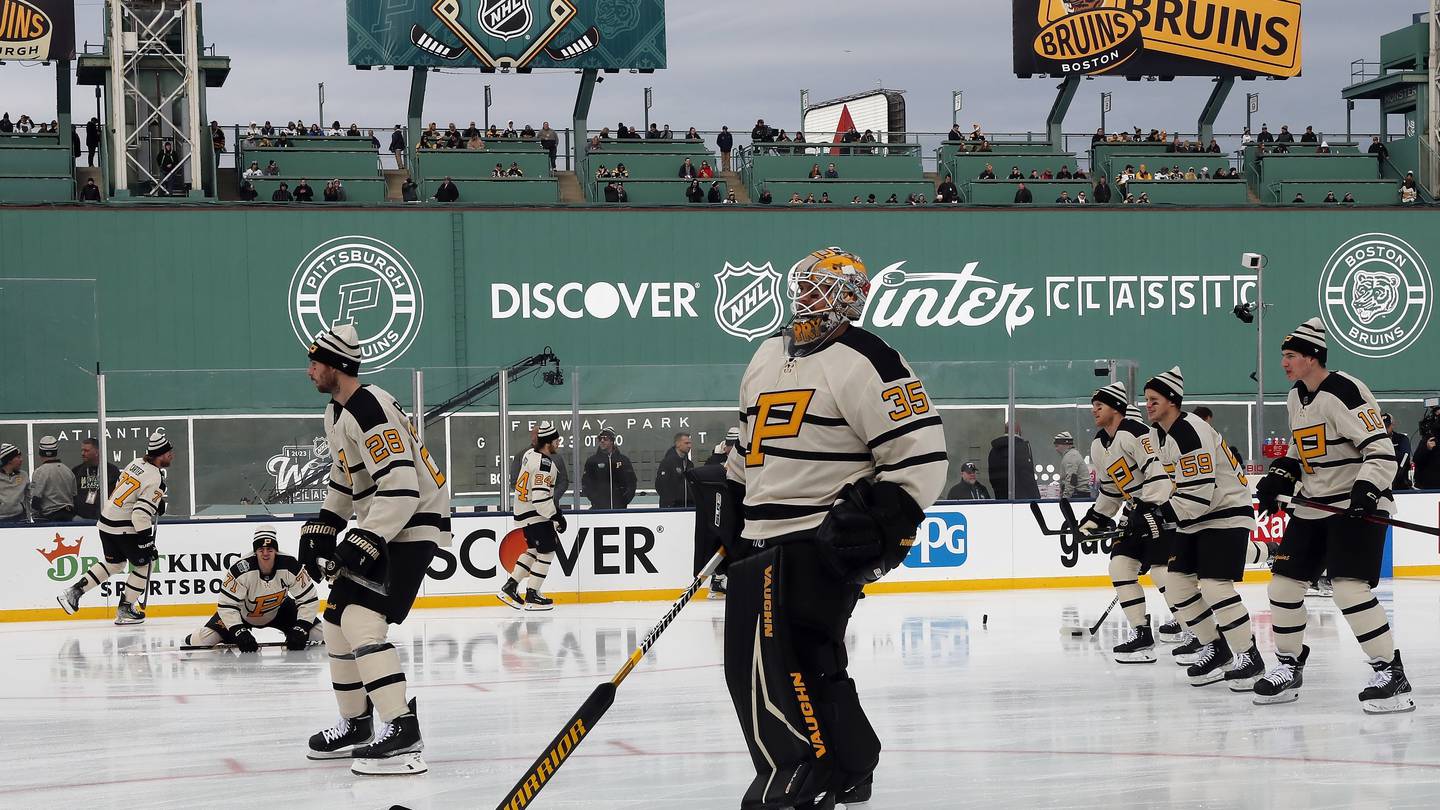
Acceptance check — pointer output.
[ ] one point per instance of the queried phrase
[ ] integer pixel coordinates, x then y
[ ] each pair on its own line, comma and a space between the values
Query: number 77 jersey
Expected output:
809, 425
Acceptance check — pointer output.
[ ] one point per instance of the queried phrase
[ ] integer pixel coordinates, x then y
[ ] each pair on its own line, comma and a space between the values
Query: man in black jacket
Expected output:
87, 480
1427, 460
670, 482
969, 488
1102, 190
92, 138
726, 142
1026, 487
1403, 456
946, 192
448, 192
608, 481
282, 194
1023, 195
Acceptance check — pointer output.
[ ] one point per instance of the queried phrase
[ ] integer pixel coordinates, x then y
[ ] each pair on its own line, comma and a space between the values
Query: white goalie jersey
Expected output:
246, 597
135, 500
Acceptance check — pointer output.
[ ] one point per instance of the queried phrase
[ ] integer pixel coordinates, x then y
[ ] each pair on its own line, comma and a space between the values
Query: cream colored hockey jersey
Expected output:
381, 473
249, 598
1339, 437
534, 489
810, 425
1210, 491
134, 500
1126, 467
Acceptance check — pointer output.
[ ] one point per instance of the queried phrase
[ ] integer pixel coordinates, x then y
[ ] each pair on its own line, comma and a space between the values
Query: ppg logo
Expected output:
942, 542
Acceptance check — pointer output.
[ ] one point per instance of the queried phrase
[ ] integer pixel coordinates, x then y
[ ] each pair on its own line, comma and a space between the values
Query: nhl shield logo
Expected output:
748, 303
505, 19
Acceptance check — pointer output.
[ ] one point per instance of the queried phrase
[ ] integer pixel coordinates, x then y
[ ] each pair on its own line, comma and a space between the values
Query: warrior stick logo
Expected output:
1375, 295
363, 282
748, 303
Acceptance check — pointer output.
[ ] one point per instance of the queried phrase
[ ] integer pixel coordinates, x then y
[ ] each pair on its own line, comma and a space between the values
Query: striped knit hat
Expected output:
1169, 384
1134, 412
338, 348
7, 452
158, 445
1308, 339
1112, 395
1064, 437
265, 538
732, 435
546, 433
49, 448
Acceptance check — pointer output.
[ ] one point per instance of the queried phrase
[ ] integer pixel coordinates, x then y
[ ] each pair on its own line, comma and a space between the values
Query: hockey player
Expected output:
841, 450
383, 475
1210, 506
127, 531
541, 521
1342, 456
266, 589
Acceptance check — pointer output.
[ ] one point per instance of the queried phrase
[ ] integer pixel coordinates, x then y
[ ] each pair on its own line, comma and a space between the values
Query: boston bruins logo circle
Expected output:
1375, 295
364, 282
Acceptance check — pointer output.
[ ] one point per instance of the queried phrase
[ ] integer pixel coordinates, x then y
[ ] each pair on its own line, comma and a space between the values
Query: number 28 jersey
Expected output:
810, 425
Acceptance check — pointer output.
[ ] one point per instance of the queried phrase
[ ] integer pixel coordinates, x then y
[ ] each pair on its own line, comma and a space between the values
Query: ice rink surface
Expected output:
975, 714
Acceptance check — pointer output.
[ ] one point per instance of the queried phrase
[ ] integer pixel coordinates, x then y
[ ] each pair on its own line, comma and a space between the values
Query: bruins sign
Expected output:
1157, 37
37, 29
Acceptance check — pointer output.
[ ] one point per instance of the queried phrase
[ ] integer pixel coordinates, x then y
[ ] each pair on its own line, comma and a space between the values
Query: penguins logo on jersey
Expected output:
364, 282
1375, 295
748, 303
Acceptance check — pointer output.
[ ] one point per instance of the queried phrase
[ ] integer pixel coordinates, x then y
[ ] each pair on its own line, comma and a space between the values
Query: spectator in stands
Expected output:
429, 137
1214, 147
272, 169
24, 124
268, 129
282, 194
693, 135
999, 463
653, 133
611, 194
303, 192
1014, 173
687, 170
620, 171
855, 200
706, 173
825, 198
331, 193
761, 133
1143, 173
869, 137
217, 139
471, 131
498, 171
409, 190
1080, 199
1023, 195
453, 139
475, 143
870, 200
831, 173
528, 133
1064, 173
730, 198
1034, 174
1427, 461
247, 191
1403, 455
494, 132
713, 196
550, 142
1378, 149
988, 173
352, 132
608, 480
766, 198
976, 134
810, 198
726, 142
447, 192
1098, 137
1102, 190
1079, 174
334, 131
1190, 174
1285, 135
1143, 199
795, 199
6, 125
14, 484
894, 199
1299, 198
1265, 135
1323, 148
969, 488
621, 194
1330, 198
1348, 199
1309, 136
666, 134
1409, 194
1064, 199
91, 192
166, 162
955, 134
602, 172
694, 193
947, 192
515, 170
1047, 175
1129, 199
1246, 138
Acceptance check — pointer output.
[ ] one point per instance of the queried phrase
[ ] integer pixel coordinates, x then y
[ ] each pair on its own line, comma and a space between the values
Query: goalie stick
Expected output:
539, 774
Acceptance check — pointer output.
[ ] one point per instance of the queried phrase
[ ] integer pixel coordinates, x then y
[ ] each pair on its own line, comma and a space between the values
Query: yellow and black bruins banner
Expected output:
38, 30
1157, 37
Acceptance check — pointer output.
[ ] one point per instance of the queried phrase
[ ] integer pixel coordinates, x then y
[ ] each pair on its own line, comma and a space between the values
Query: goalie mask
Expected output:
827, 289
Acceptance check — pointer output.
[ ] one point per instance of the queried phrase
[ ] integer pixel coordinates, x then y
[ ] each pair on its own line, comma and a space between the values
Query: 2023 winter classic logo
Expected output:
1375, 295
362, 281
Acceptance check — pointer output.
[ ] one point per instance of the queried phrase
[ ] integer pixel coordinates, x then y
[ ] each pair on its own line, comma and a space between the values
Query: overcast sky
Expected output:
736, 60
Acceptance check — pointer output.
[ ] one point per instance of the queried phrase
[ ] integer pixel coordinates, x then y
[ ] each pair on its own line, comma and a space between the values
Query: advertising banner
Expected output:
38, 30
1157, 37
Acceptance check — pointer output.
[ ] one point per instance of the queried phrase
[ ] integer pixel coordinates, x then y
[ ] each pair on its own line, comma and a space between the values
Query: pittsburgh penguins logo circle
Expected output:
362, 281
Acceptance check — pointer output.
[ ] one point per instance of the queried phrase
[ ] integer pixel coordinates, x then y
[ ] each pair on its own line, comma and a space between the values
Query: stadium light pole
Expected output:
487, 107
958, 99
649, 101
1252, 106
321, 91
1104, 108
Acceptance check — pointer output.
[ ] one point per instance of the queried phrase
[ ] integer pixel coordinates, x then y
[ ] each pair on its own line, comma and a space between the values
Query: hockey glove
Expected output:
245, 640
297, 637
1282, 479
869, 530
317, 542
1144, 523
360, 551
1364, 499
1095, 523
559, 520
144, 552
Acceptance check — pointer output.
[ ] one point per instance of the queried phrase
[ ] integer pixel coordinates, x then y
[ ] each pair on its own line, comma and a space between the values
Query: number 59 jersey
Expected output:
810, 425
1339, 437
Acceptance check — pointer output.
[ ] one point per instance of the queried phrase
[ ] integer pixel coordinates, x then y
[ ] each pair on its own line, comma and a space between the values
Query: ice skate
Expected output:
69, 599
1282, 684
534, 600
127, 613
340, 739
1185, 653
396, 750
717, 587
510, 594
1210, 662
1170, 632
1139, 648
1245, 670
1389, 690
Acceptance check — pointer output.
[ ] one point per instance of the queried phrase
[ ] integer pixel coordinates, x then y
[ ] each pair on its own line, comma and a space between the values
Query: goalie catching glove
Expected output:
1283, 477
869, 530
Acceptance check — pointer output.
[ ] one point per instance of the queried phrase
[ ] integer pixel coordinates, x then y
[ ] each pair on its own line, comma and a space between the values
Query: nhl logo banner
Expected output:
37, 29
508, 34
1157, 37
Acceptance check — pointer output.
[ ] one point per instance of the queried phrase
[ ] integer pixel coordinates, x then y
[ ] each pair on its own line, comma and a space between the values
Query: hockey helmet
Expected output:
827, 288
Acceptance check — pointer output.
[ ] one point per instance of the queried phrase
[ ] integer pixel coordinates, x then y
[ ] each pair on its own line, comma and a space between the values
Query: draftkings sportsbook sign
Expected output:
1157, 37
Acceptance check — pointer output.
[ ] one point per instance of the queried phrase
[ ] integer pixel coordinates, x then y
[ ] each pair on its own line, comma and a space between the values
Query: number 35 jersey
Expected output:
381, 473
1339, 437
810, 425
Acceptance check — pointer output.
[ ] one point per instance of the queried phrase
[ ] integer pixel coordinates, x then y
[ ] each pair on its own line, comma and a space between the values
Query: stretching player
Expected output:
840, 452
383, 475
1127, 472
266, 589
540, 519
1341, 456
127, 531
1211, 508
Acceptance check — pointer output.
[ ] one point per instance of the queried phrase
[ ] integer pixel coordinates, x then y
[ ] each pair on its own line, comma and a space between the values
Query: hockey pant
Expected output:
785, 660
215, 632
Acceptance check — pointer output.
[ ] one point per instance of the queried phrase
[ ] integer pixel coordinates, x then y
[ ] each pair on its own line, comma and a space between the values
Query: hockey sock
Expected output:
540, 569
1367, 619
523, 567
377, 661
1125, 574
204, 637
1230, 615
344, 675
98, 573
1160, 574
1190, 607
1287, 614
136, 583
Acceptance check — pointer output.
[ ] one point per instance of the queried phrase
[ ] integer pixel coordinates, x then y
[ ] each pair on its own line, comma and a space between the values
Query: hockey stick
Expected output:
1071, 529
539, 774
1379, 520
1095, 628
422, 40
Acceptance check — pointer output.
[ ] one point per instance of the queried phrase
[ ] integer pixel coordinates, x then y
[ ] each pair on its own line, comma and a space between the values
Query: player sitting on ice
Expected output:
266, 589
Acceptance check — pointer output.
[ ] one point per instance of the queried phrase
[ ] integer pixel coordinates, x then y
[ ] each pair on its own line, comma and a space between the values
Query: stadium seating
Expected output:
1365, 192
36, 168
1189, 192
1278, 177
470, 169
1002, 192
1117, 161
841, 191
653, 166
357, 189
511, 190
655, 192
966, 167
